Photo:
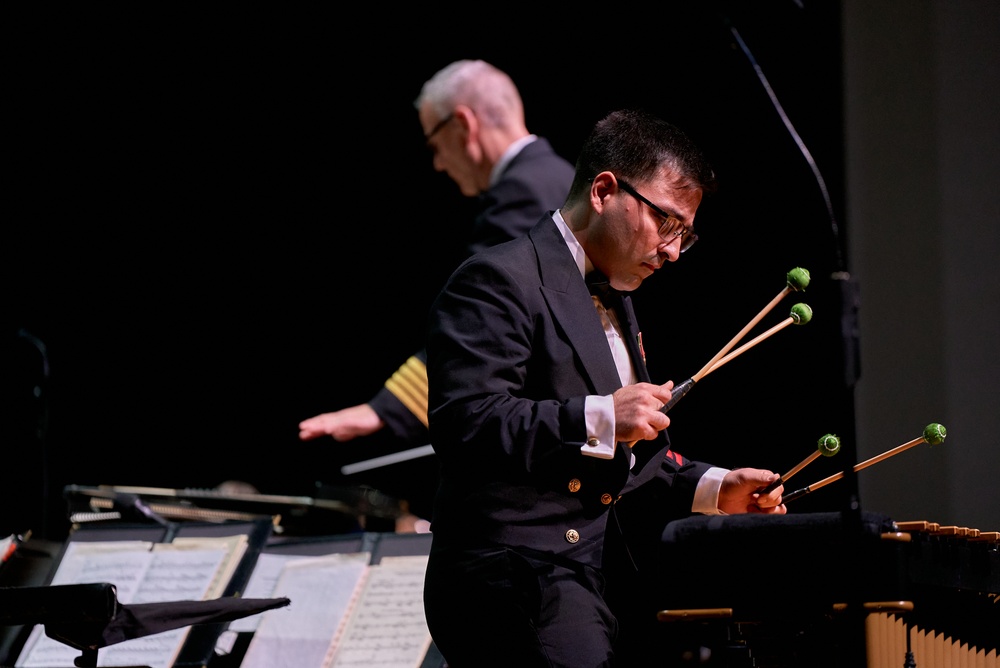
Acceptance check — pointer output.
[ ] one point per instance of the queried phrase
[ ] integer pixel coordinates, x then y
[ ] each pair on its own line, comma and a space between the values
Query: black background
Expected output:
221, 225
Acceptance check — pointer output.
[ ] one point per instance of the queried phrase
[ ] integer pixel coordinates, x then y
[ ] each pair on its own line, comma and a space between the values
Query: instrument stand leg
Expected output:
910, 662
738, 651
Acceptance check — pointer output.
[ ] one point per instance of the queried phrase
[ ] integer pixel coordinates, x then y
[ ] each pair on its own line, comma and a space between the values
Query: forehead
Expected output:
428, 118
668, 179
673, 193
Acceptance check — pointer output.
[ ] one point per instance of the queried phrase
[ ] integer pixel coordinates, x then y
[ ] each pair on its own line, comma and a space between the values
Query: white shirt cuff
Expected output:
600, 414
706, 495
600, 417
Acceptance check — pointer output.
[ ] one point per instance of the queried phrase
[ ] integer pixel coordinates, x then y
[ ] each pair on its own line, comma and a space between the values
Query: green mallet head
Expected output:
828, 445
798, 279
801, 314
934, 433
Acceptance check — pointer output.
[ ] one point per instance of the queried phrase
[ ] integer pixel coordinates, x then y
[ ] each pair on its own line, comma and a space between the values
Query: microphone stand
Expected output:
846, 295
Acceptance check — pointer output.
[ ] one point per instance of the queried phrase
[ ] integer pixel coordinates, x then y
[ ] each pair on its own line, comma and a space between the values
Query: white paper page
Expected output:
387, 627
261, 584
160, 575
122, 563
321, 589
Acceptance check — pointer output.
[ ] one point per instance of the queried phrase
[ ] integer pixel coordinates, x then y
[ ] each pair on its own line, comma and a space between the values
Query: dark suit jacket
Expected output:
534, 182
514, 347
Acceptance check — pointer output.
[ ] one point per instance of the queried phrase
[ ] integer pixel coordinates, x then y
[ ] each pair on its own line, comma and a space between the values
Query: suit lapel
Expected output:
632, 335
572, 309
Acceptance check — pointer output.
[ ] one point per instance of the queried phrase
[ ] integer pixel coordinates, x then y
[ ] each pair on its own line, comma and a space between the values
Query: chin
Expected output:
632, 283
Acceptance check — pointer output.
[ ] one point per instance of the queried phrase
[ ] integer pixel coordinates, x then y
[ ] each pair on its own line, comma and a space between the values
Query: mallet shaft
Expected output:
857, 467
745, 347
802, 464
782, 479
743, 332
889, 453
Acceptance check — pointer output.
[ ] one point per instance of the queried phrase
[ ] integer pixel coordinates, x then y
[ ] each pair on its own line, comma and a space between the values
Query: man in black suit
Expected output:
537, 388
473, 120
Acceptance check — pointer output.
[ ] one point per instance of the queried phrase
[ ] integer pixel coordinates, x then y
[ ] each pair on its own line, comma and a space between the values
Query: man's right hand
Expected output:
342, 425
637, 411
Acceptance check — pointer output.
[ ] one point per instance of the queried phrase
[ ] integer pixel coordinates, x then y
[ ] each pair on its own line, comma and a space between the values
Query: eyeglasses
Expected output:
671, 228
440, 126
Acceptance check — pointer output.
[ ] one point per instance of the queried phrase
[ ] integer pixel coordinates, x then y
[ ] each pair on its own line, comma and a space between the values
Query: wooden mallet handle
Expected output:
934, 434
828, 445
801, 314
795, 280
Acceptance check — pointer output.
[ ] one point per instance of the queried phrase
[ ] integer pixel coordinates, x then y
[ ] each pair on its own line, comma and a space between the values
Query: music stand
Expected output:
88, 617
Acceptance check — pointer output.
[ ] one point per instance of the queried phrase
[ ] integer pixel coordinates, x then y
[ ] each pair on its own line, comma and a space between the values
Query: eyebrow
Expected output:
655, 207
438, 126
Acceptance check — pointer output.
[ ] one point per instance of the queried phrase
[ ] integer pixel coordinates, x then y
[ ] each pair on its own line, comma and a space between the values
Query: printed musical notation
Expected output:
187, 569
387, 628
344, 613
322, 590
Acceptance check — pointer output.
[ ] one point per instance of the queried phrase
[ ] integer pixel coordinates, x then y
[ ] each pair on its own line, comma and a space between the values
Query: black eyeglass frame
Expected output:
666, 231
439, 126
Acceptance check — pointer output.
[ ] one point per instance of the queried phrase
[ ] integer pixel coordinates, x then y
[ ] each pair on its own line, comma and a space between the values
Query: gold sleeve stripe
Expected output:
409, 385
414, 374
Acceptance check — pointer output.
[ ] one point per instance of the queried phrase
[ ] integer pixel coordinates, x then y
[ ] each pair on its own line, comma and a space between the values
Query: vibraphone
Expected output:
828, 589
954, 579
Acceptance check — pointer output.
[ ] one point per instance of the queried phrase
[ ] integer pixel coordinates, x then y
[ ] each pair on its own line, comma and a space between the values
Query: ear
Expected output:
603, 185
466, 117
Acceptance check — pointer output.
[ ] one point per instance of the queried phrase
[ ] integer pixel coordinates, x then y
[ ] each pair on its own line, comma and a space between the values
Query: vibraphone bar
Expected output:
955, 620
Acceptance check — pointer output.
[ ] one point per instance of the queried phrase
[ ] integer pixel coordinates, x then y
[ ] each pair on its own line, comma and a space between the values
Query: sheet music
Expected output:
321, 590
234, 547
122, 563
261, 584
387, 627
142, 572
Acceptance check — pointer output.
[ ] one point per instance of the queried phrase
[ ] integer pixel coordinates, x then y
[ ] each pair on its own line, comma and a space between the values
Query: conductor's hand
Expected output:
342, 425
739, 493
637, 411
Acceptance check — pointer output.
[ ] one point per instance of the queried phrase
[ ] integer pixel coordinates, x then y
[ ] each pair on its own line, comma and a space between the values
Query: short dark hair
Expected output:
634, 145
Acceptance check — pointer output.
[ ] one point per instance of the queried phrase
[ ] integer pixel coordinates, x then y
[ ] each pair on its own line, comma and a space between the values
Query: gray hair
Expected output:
487, 90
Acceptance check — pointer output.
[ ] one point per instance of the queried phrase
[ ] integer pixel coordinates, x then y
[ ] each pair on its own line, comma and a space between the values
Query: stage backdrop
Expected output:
222, 225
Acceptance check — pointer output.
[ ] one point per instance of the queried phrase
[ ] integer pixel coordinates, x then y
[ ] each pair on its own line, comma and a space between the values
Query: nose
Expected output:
671, 250
438, 163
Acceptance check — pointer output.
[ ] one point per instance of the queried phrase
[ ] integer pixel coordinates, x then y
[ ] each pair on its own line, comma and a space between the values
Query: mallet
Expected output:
800, 315
934, 434
796, 280
827, 446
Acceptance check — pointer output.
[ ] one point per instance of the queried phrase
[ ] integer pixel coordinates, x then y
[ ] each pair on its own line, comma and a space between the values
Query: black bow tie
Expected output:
600, 287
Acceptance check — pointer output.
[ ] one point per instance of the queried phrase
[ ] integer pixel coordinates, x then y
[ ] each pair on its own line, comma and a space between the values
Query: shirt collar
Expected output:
507, 156
571, 242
